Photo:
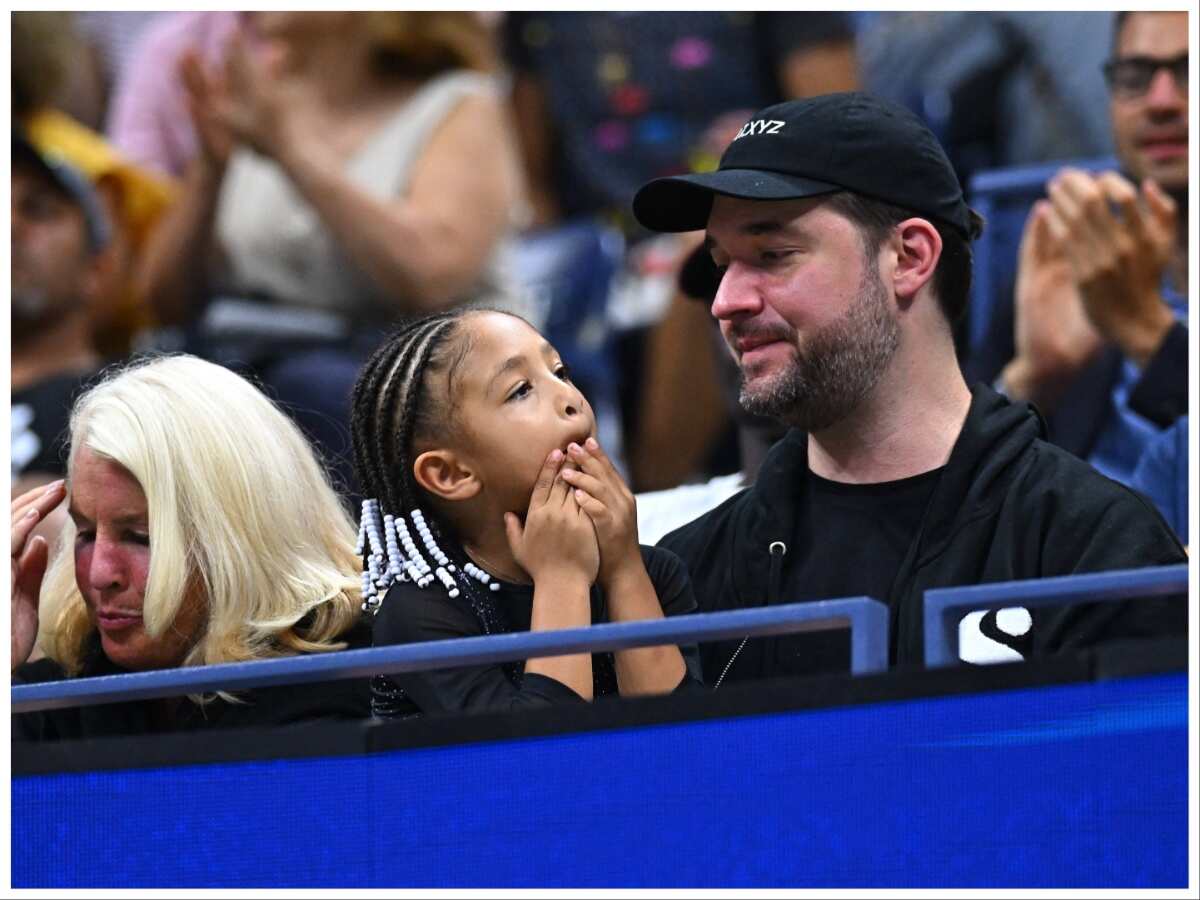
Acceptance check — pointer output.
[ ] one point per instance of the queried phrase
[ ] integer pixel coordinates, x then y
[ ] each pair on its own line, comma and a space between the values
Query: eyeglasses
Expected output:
1130, 77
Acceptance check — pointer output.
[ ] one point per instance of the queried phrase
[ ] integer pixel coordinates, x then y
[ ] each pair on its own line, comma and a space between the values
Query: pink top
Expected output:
149, 120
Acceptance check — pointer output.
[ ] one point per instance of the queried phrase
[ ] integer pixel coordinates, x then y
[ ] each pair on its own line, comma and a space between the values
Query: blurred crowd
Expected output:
274, 191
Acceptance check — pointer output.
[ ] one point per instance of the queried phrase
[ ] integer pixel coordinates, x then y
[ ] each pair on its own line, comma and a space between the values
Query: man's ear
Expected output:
919, 247
444, 474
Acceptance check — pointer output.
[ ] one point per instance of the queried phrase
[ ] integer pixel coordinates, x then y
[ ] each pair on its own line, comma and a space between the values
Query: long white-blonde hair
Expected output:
239, 509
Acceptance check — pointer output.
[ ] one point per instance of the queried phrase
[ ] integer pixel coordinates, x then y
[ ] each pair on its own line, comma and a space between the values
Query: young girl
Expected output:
495, 510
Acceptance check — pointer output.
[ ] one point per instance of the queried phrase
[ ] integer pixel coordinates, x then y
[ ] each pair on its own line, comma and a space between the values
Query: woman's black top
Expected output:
282, 705
410, 614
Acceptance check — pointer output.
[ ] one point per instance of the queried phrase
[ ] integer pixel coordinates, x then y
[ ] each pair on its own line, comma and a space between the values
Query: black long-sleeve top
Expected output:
410, 615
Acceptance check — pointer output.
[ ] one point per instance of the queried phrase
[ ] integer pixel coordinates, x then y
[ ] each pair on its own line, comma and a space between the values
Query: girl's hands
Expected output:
608, 502
557, 540
29, 557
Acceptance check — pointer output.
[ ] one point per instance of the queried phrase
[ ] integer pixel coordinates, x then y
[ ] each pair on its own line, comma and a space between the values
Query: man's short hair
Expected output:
1118, 23
952, 275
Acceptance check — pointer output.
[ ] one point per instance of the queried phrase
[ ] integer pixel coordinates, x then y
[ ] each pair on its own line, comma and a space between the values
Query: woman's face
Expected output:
515, 402
112, 563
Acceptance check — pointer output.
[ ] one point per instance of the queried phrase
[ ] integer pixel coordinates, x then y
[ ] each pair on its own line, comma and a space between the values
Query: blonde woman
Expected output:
202, 530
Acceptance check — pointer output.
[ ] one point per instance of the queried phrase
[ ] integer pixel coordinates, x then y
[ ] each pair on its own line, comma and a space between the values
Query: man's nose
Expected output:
737, 294
1164, 91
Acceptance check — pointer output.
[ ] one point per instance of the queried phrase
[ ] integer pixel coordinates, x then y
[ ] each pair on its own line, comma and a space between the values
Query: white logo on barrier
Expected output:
976, 647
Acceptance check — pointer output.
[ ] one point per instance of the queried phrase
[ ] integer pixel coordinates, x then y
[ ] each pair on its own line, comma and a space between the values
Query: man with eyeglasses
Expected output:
1102, 272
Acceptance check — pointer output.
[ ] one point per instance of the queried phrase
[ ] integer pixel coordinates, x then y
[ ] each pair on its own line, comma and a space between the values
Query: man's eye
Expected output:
138, 537
85, 537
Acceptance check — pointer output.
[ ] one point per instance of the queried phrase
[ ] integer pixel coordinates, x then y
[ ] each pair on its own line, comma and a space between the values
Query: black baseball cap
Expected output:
70, 181
804, 148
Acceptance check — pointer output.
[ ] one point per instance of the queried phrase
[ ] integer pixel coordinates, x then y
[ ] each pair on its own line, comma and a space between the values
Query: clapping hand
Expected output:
203, 90
1118, 244
1053, 336
244, 102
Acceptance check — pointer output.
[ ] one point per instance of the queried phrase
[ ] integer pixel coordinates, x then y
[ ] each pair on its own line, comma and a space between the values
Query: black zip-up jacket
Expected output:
1008, 506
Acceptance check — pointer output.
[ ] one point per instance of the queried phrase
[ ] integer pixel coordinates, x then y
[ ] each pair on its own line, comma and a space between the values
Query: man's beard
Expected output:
835, 368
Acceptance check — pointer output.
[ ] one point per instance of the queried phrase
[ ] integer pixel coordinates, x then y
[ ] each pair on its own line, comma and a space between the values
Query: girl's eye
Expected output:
519, 391
563, 371
85, 537
138, 537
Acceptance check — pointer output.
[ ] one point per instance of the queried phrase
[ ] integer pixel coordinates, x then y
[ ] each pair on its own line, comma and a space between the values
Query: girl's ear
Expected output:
444, 474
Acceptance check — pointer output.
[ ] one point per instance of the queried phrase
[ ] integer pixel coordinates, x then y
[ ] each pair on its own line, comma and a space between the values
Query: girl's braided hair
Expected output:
393, 405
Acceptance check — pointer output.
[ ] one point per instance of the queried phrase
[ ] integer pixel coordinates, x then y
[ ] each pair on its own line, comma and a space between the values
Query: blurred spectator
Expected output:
60, 235
61, 257
148, 118
43, 47
105, 41
352, 168
1100, 300
606, 101
998, 88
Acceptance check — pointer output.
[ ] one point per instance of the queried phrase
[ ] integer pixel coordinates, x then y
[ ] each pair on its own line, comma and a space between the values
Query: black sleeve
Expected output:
1161, 394
410, 615
674, 588
1101, 525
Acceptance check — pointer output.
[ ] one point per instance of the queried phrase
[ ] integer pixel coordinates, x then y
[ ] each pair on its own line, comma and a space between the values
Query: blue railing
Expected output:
866, 618
944, 607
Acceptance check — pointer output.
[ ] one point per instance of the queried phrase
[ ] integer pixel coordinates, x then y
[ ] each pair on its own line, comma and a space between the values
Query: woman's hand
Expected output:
29, 557
608, 502
253, 106
557, 540
203, 91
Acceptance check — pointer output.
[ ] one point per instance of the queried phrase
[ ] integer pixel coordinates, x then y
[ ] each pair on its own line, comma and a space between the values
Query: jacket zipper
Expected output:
777, 549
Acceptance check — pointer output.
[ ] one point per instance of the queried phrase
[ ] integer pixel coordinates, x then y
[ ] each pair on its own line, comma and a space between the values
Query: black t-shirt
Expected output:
40, 415
861, 533
410, 615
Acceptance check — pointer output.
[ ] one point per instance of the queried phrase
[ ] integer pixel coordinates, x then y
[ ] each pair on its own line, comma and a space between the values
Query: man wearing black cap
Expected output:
843, 240
59, 266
